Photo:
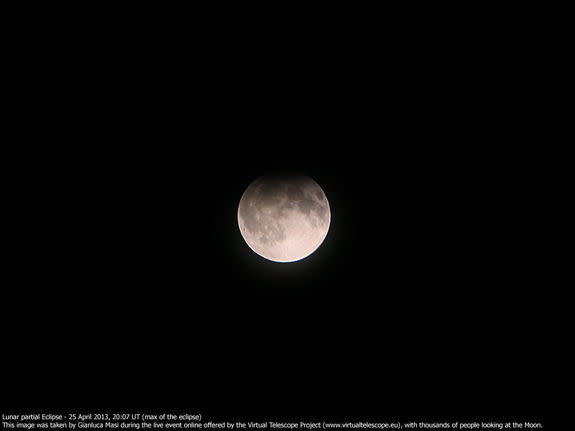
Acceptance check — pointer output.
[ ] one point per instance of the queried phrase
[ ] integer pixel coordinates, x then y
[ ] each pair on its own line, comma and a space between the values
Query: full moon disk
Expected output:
284, 218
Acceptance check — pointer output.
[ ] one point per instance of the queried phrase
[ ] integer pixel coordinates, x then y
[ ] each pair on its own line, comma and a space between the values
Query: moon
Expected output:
284, 218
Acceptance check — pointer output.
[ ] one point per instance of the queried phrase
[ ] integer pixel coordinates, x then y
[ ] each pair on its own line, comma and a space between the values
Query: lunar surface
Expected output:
284, 218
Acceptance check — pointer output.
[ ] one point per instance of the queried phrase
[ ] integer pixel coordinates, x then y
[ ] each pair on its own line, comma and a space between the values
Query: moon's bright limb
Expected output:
284, 218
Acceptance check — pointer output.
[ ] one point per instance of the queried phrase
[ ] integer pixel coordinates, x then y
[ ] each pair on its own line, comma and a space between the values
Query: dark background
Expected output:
134, 289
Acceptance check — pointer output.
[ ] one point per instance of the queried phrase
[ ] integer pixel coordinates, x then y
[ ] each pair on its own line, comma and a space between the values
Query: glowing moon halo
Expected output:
284, 218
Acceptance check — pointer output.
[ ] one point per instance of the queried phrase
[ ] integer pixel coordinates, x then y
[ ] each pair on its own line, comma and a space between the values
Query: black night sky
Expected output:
136, 289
